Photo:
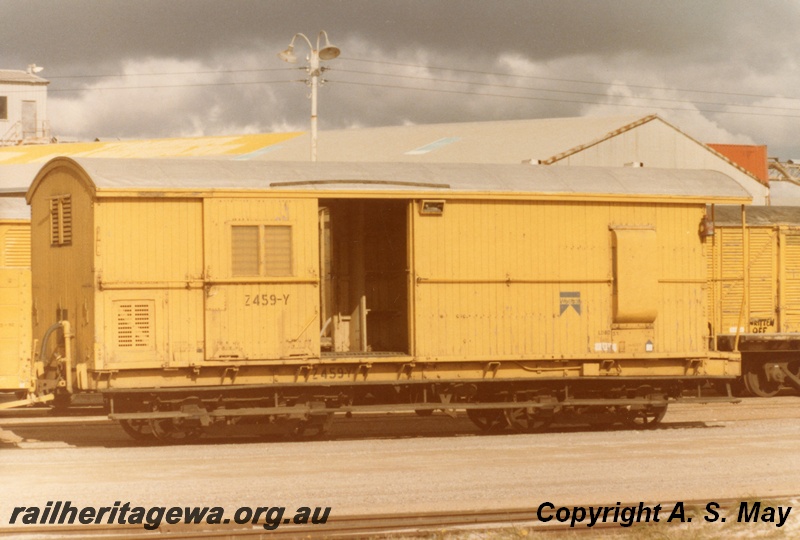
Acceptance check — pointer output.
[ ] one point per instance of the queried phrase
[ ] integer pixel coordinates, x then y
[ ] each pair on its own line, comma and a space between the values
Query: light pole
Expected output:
314, 69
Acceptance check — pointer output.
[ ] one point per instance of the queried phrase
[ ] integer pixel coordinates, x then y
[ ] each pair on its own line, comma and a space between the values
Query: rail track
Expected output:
44, 430
382, 525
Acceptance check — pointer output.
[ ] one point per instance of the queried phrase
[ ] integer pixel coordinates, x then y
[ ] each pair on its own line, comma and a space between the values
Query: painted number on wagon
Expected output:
266, 300
338, 372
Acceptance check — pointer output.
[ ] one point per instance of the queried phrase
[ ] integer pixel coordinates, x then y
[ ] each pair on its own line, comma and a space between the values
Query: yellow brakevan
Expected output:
195, 291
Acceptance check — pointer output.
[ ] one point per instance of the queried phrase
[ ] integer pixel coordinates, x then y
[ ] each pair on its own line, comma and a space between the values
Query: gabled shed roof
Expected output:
545, 140
506, 141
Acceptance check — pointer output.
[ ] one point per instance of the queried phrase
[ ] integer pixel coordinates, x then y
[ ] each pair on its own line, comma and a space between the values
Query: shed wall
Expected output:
657, 145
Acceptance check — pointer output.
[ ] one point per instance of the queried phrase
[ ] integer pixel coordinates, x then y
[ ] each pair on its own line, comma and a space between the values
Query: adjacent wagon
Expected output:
754, 287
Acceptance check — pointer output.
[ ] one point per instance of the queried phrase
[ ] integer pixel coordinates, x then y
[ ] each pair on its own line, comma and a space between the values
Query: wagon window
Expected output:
3, 107
278, 250
635, 269
244, 250
61, 221
261, 250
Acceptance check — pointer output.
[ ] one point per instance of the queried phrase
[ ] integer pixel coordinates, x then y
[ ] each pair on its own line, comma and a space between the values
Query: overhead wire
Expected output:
556, 79
608, 99
559, 100
494, 85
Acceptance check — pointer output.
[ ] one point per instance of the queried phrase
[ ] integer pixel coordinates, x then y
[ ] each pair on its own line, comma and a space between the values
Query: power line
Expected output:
169, 74
493, 85
532, 98
455, 81
157, 86
438, 68
554, 79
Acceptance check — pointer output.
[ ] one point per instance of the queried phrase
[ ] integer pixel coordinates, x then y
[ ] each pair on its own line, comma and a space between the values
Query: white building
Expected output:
23, 107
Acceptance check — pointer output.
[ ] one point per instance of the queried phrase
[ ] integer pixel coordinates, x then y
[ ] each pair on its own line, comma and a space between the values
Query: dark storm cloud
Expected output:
645, 47
87, 33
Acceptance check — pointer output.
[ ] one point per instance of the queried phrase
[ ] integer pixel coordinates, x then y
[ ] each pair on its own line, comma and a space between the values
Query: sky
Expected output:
723, 71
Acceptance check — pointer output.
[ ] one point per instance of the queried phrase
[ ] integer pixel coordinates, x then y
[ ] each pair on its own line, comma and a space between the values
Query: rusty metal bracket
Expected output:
233, 370
609, 364
405, 369
491, 367
363, 368
694, 364
303, 371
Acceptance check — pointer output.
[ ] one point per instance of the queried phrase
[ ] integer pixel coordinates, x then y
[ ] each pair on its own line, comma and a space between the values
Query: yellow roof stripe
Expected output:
236, 145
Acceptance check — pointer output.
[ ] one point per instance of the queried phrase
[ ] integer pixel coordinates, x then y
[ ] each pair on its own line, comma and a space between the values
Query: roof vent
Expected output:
635, 164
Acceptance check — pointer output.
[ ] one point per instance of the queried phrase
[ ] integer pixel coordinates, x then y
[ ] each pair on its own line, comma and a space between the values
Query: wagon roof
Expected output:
757, 215
198, 177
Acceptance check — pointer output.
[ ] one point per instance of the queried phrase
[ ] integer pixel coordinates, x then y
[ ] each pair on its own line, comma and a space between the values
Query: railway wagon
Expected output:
754, 277
16, 375
194, 294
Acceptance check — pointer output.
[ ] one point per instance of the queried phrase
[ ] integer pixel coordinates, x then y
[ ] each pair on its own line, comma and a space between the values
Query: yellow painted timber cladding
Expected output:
15, 244
15, 305
15, 329
635, 268
766, 265
151, 270
537, 279
262, 293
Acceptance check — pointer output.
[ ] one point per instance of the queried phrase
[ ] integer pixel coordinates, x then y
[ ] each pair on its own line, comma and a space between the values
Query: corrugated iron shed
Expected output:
584, 141
508, 141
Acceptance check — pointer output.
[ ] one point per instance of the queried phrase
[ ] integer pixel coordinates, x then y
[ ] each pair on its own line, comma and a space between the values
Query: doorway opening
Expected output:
364, 276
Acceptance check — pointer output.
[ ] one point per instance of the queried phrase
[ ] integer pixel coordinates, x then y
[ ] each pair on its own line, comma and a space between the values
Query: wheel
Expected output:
647, 417
138, 430
491, 420
419, 394
167, 430
755, 381
528, 420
